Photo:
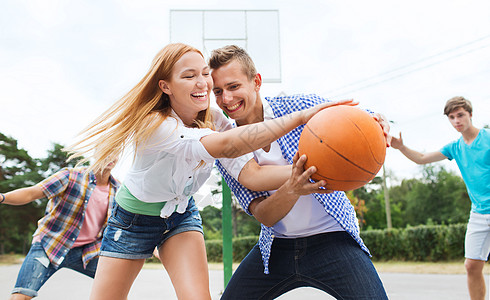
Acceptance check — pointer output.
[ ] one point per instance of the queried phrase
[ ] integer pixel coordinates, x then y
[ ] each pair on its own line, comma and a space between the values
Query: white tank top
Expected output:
308, 216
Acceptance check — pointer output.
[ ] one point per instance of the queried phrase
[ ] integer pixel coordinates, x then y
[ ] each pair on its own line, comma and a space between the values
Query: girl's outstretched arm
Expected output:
248, 138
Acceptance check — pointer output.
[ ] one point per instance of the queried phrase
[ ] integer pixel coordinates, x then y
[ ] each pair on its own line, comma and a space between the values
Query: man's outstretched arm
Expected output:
415, 156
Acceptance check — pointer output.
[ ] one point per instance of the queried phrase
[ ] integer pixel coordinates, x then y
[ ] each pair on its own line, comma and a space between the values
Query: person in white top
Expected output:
176, 137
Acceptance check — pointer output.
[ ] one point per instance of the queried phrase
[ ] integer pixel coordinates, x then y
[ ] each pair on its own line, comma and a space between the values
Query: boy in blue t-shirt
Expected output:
472, 154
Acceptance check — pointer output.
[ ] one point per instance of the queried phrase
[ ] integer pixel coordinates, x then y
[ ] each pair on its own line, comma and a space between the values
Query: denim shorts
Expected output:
477, 240
135, 236
37, 269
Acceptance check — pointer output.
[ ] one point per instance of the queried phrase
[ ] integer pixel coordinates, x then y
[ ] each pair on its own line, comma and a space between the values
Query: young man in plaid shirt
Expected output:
70, 233
306, 239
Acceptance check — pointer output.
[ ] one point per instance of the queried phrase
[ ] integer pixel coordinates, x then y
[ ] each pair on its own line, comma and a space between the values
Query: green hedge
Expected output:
241, 247
419, 243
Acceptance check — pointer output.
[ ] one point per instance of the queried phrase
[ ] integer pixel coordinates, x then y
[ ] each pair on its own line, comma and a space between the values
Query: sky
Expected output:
62, 63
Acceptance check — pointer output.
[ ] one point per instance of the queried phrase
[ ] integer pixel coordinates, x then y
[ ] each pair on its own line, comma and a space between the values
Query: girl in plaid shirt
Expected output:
70, 233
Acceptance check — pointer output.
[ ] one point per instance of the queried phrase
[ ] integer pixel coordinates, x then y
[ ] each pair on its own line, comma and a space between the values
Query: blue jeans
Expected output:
332, 262
135, 236
37, 269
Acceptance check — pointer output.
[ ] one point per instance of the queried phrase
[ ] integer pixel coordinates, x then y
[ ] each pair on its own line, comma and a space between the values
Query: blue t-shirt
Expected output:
474, 163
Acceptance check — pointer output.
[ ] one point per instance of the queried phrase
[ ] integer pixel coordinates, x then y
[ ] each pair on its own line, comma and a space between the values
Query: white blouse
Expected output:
166, 168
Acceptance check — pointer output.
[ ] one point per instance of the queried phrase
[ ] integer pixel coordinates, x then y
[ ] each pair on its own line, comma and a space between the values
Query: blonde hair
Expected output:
457, 102
224, 55
134, 118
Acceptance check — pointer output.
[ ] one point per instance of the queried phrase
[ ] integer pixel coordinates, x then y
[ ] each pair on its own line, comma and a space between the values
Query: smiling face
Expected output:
189, 86
237, 95
460, 119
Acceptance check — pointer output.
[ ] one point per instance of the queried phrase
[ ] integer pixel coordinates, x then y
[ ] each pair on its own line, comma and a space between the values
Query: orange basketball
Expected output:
345, 144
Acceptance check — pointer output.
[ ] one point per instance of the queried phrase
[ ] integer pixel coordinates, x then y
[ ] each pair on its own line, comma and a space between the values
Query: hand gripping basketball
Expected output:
345, 144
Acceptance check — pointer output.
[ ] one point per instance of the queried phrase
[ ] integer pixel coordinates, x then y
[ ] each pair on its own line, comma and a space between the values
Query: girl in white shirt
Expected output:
176, 137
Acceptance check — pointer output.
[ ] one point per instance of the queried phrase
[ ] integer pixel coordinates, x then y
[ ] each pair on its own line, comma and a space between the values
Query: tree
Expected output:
211, 222
243, 224
17, 169
56, 160
247, 225
435, 197
359, 207
452, 203
373, 211
439, 197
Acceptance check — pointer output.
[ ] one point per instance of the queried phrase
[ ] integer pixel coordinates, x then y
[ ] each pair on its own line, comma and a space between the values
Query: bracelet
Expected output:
3, 198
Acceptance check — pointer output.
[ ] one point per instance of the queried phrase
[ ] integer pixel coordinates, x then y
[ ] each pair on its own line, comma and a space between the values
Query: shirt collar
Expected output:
174, 115
268, 113
93, 180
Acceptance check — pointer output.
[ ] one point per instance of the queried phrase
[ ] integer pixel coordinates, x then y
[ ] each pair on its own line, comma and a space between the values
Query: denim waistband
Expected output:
311, 240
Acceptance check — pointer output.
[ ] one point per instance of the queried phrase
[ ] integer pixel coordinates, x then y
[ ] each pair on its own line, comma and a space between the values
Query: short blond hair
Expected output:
457, 102
224, 55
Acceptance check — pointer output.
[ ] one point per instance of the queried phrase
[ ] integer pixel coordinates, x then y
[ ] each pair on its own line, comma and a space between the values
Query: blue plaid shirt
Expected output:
335, 204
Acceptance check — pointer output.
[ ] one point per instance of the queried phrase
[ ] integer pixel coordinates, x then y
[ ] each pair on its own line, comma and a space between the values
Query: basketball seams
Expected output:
346, 157
338, 153
368, 142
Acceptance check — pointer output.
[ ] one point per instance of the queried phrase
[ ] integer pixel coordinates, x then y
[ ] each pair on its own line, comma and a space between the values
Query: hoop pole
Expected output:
227, 233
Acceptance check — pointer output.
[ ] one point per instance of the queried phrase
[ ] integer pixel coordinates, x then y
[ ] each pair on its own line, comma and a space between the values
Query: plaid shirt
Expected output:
335, 204
68, 192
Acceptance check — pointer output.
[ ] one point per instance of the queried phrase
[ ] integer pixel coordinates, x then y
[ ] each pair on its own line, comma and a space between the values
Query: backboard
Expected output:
257, 31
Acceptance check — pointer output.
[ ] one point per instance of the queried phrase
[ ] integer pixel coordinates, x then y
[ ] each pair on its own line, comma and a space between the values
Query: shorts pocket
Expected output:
121, 218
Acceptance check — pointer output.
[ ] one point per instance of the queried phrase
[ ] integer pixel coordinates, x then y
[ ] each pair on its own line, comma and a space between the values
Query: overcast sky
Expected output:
63, 62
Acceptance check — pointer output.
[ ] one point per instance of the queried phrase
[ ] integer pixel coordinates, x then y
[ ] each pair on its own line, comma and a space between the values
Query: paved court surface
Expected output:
155, 284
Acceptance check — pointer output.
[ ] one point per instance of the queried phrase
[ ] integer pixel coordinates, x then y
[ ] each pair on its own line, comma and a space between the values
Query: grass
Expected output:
9, 259
454, 267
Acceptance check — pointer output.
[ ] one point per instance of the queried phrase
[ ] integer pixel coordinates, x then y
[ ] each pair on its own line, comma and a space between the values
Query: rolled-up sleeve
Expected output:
244, 195
56, 183
235, 165
191, 143
174, 138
